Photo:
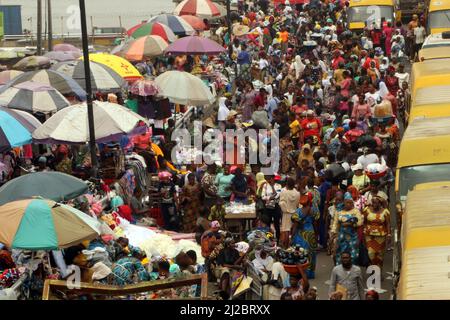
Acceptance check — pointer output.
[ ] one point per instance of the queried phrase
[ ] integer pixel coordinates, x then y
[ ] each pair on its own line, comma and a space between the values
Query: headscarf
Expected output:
383, 92
260, 179
354, 192
298, 66
304, 156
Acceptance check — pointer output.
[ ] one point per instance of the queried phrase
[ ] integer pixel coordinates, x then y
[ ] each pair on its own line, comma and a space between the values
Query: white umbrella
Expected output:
70, 125
184, 88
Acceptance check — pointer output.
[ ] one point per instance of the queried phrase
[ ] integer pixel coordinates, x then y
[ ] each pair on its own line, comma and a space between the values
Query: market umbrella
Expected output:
144, 88
184, 88
58, 187
33, 97
32, 62
134, 28
154, 29
178, 25
195, 45
120, 65
62, 56
61, 82
8, 75
65, 47
199, 8
15, 128
70, 125
195, 22
103, 78
144, 47
38, 224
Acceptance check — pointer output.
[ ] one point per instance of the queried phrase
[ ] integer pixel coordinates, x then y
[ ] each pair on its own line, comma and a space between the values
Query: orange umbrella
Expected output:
195, 22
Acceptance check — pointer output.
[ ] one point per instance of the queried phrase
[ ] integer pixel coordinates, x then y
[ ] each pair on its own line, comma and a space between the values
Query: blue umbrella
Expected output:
178, 25
15, 129
58, 80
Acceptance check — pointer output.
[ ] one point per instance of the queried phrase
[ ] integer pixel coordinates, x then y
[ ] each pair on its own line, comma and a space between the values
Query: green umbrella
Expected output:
58, 187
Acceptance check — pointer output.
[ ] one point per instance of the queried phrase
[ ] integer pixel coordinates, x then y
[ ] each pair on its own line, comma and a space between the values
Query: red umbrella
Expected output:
195, 22
154, 29
199, 8
133, 29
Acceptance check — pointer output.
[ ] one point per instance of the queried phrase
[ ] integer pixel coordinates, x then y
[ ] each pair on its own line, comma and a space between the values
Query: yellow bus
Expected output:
362, 13
429, 73
425, 243
438, 16
435, 46
424, 155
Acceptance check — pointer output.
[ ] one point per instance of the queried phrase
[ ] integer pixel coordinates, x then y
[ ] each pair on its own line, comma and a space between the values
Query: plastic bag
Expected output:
261, 120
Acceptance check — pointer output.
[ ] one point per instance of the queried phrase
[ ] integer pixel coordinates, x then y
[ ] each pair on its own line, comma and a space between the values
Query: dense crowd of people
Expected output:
337, 98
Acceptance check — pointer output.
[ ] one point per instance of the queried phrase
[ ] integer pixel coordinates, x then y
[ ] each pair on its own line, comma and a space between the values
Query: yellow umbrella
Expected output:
124, 68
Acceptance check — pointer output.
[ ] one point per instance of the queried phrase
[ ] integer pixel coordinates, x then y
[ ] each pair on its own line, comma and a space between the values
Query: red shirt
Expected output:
336, 62
311, 127
260, 101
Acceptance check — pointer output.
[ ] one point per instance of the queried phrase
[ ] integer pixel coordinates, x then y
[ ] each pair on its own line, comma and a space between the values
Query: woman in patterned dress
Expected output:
191, 192
345, 225
377, 230
304, 235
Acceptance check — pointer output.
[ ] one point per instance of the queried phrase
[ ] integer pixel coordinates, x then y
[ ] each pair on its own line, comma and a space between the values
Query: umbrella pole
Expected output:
87, 71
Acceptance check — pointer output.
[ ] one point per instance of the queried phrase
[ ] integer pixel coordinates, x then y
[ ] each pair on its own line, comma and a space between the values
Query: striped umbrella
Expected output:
70, 125
8, 75
155, 29
33, 97
65, 47
198, 8
62, 56
175, 23
144, 47
61, 82
15, 129
195, 22
103, 78
32, 62
120, 65
38, 224
134, 28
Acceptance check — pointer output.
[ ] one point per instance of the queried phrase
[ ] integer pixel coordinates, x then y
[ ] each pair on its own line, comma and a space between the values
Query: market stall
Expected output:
239, 217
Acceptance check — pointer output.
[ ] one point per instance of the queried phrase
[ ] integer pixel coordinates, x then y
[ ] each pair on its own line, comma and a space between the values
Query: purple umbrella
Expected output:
144, 88
62, 56
194, 45
65, 47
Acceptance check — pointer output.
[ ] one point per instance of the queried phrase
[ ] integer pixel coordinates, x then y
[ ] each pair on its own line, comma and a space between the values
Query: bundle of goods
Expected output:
376, 171
293, 258
383, 111
260, 238
239, 208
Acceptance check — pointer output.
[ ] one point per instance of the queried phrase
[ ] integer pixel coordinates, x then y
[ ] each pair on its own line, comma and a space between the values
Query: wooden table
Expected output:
244, 218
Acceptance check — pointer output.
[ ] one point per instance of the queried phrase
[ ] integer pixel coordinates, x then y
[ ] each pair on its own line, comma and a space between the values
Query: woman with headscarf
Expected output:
305, 154
303, 234
289, 201
345, 226
377, 229
392, 82
298, 66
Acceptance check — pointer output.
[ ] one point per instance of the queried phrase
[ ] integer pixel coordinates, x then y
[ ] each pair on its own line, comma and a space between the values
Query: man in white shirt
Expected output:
419, 34
402, 76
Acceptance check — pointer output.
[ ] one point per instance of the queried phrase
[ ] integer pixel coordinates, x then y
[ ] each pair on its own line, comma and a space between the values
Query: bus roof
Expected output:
427, 218
429, 135
436, 5
425, 274
430, 73
357, 3
432, 95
